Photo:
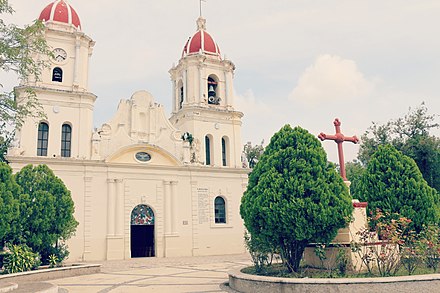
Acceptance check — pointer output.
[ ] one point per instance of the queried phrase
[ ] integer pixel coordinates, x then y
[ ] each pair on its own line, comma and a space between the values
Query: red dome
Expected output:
201, 42
60, 11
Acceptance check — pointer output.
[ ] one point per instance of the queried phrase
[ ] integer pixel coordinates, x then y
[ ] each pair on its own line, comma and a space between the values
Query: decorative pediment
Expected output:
138, 121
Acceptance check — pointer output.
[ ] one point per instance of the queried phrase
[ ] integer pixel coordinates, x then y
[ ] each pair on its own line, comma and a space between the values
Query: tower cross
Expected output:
201, 6
339, 138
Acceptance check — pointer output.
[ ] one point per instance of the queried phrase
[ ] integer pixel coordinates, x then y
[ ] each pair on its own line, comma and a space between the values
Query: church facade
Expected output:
143, 184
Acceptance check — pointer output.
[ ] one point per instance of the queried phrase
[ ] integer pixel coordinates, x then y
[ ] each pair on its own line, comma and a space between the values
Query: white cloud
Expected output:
261, 119
331, 78
247, 103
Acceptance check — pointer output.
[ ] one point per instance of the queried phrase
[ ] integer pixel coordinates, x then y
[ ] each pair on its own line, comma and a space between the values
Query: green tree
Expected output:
294, 196
354, 172
393, 183
18, 48
410, 135
46, 210
253, 153
9, 211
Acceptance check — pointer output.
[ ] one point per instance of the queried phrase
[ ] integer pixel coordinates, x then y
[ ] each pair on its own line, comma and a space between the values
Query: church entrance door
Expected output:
142, 231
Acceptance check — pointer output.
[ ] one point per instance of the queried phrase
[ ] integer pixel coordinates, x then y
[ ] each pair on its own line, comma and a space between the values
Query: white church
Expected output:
143, 184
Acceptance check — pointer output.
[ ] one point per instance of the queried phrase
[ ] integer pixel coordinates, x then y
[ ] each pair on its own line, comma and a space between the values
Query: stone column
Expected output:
226, 89
86, 79
77, 62
195, 218
167, 196
175, 93
173, 207
185, 87
201, 91
119, 207
115, 237
111, 204
231, 87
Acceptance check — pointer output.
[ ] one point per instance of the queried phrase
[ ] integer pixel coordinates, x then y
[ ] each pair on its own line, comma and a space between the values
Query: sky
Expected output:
298, 62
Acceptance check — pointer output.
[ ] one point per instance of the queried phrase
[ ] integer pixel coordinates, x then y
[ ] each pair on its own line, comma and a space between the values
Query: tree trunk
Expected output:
292, 254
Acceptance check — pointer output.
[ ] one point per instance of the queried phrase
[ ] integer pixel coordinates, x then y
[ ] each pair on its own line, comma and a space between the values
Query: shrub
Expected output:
261, 251
429, 246
342, 261
411, 255
333, 258
20, 258
59, 250
53, 261
392, 244
380, 248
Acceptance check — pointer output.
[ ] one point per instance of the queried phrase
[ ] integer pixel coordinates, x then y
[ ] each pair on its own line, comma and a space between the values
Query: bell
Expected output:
211, 91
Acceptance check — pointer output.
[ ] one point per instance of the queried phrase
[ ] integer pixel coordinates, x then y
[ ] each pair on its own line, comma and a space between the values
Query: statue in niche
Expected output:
96, 139
195, 151
244, 161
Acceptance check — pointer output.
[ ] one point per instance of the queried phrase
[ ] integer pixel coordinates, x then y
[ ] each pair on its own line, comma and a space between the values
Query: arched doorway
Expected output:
142, 231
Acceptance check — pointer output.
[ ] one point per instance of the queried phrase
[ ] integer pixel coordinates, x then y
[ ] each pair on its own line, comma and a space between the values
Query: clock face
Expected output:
143, 156
60, 55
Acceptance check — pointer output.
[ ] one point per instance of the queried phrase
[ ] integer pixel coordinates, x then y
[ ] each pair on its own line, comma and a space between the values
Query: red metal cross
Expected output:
339, 138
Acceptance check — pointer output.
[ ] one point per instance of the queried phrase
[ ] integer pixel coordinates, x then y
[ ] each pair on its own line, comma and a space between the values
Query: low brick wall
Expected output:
52, 274
246, 283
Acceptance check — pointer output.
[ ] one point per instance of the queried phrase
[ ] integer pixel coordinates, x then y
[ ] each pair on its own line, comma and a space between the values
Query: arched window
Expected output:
207, 150
66, 140
219, 210
213, 98
180, 97
43, 139
224, 151
57, 74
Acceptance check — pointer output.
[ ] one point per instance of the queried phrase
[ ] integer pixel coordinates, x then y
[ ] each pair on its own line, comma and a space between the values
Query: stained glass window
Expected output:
142, 215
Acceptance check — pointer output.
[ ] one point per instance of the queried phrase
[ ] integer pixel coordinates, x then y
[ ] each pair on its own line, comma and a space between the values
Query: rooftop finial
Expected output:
201, 23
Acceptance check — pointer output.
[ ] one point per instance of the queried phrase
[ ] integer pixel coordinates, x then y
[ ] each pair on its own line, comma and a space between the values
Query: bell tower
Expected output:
62, 91
203, 101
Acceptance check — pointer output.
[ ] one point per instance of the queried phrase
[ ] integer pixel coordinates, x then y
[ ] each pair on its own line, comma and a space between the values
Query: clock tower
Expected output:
62, 91
203, 102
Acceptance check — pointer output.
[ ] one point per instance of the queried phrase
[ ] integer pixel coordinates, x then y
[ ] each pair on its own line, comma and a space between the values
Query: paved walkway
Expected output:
186, 274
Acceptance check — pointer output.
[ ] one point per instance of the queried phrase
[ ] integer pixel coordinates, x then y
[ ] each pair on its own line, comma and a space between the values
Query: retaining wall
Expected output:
52, 274
259, 284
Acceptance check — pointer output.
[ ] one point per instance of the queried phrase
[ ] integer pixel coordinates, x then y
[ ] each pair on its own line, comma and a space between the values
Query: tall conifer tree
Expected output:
295, 196
393, 183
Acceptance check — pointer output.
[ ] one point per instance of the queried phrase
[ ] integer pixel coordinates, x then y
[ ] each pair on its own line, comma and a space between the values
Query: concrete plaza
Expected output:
183, 274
